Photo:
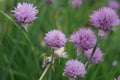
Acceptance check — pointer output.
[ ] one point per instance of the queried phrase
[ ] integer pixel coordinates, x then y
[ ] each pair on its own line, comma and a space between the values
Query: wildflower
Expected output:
104, 19
76, 3
114, 5
55, 39
115, 63
25, 13
74, 69
83, 39
97, 57
50, 1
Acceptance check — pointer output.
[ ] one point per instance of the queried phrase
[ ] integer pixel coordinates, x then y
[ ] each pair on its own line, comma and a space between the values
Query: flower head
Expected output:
25, 13
74, 69
50, 1
118, 78
76, 3
97, 57
55, 39
104, 19
114, 5
84, 38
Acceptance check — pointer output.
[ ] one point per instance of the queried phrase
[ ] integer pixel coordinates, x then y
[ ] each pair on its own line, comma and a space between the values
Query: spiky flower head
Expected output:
104, 19
84, 38
55, 39
50, 1
25, 13
97, 57
74, 69
77, 3
114, 5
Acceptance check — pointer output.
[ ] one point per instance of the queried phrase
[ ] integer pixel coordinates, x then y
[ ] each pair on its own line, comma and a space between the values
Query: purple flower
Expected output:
97, 57
118, 78
55, 39
50, 1
25, 13
104, 19
114, 5
74, 69
76, 3
83, 39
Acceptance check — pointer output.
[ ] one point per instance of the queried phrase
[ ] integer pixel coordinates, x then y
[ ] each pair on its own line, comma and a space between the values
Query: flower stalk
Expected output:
43, 74
90, 59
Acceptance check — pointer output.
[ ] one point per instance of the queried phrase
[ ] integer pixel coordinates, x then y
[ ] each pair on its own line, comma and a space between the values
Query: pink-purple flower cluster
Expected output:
84, 38
74, 69
114, 5
50, 1
77, 3
104, 19
97, 57
25, 13
55, 39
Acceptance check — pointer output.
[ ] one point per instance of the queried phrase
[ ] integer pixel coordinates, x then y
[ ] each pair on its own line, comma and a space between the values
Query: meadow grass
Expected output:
26, 64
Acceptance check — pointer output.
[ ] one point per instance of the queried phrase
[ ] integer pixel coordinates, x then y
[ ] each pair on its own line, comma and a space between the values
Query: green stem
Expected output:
89, 61
50, 72
13, 54
43, 74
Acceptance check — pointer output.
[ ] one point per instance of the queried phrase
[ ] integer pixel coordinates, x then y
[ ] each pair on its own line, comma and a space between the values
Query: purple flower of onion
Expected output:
25, 13
114, 5
104, 19
97, 57
76, 3
50, 1
55, 39
74, 69
83, 39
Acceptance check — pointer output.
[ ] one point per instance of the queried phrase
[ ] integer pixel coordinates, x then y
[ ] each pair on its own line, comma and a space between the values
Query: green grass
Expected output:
60, 16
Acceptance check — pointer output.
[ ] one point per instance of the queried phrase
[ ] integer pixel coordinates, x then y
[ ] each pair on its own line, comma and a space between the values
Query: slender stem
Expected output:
90, 59
43, 74
50, 72
13, 54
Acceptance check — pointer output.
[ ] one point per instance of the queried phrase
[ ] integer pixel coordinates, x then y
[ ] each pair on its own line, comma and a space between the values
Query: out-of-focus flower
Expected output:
77, 3
104, 19
74, 69
114, 63
55, 39
42, 43
50, 1
114, 5
97, 57
25, 13
59, 53
83, 39
118, 78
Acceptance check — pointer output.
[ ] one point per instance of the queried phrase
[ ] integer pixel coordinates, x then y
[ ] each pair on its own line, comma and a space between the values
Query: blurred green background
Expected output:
61, 16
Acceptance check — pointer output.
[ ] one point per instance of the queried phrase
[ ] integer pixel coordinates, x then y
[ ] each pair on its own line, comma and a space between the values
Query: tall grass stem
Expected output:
13, 53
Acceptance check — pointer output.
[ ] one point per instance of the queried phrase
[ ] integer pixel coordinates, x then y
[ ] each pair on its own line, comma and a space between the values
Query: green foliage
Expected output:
60, 16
